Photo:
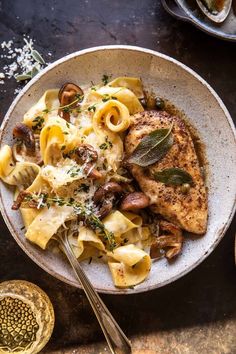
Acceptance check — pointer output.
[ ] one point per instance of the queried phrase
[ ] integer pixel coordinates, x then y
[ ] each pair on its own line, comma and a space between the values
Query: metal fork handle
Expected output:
116, 339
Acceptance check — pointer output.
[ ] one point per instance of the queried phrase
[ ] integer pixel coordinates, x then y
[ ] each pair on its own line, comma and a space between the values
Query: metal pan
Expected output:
188, 11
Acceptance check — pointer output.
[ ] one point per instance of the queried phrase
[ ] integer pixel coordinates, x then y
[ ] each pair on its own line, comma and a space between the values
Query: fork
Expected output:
115, 337
23, 179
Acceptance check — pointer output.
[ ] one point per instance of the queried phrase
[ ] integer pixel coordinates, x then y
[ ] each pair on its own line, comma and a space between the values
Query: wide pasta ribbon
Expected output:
46, 106
112, 115
57, 133
7, 164
129, 265
109, 119
134, 84
87, 243
121, 223
46, 224
12, 173
123, 95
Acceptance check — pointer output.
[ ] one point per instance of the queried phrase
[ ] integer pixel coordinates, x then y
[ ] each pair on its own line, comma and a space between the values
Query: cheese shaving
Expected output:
19, 60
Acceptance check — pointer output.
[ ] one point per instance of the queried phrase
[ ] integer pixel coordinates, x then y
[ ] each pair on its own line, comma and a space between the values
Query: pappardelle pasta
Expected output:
73, 141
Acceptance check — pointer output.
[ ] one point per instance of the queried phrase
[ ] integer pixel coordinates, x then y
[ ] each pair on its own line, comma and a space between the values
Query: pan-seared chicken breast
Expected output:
188, 211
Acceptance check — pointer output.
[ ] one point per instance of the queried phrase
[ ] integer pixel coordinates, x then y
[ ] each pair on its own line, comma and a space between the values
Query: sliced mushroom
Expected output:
27, 147
108, 188
22, 132
104, 197
171, 238
92, 172
87, 155
20, 199
66, 96
134, 201
106, 207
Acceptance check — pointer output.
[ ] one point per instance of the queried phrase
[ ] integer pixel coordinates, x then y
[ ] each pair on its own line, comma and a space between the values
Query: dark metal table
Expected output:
196, 314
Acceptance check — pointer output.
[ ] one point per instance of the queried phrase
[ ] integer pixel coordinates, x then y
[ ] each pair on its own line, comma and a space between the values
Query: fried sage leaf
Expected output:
37, 57
23, 77
173, 176
152, 147
34, 71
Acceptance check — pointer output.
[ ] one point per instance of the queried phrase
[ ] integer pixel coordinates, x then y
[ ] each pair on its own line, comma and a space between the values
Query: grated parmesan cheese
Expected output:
63, 173
19, 60
2, 76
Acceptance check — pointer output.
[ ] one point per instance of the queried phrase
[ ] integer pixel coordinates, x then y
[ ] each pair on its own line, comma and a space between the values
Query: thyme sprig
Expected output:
79, 98
39, 120
85, 213
106, 97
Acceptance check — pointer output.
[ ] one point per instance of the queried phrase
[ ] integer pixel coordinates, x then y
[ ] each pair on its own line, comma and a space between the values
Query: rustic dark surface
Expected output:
196, 314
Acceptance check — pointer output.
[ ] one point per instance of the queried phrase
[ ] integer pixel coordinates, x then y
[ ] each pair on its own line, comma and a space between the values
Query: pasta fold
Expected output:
20, 170
123, 95
28, 215
129, 265
55, 134
106, 130
6, 161
134, 84
112, 115
46, 224
46, 106
121, 223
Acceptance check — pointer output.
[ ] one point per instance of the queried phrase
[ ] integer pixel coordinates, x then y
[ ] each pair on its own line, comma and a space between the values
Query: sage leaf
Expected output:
34, 71
23, 77
37, 57
173, 176
152, 147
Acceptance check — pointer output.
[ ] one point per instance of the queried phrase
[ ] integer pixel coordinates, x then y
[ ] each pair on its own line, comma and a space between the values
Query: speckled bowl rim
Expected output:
39, 262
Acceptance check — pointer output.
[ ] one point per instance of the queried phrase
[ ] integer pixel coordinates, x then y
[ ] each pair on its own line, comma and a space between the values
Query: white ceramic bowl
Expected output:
187, 91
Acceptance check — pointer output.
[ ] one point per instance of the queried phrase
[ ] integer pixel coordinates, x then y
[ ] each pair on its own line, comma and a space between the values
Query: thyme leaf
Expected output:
92, 108
39, 121
85, 213
105, 79
106, 145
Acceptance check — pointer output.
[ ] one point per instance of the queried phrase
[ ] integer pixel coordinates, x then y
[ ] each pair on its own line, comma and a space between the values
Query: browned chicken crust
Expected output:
188, 211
